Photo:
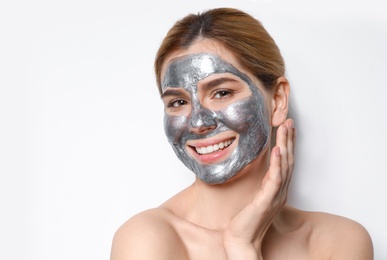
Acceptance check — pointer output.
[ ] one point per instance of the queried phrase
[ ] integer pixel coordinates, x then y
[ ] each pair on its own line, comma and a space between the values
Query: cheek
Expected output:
174, 127
242, 115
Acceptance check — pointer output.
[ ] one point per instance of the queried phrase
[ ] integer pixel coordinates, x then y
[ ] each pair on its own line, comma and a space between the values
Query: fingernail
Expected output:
277, 152
285, 130
290, 124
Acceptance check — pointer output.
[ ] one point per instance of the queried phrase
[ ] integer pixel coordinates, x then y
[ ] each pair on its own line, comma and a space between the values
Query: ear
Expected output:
280, 102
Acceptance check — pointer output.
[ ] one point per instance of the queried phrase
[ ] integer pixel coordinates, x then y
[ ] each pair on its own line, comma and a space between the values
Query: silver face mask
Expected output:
247, 117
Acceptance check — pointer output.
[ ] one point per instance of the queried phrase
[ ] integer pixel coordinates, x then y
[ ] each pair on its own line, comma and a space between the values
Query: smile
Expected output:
213, 148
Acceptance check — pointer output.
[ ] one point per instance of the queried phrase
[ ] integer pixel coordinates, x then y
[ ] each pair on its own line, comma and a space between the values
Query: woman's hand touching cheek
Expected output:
243, 237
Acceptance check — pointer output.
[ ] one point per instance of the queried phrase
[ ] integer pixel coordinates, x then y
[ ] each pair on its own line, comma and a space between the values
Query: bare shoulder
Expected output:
340, 237
147, 235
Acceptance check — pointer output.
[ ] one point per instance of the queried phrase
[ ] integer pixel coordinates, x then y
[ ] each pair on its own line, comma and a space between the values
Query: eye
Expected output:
222, 93
177, 103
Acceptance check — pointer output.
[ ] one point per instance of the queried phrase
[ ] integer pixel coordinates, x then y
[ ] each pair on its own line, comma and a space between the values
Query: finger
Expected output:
282, 142
273, 179
290, 144
266, 200
290, 151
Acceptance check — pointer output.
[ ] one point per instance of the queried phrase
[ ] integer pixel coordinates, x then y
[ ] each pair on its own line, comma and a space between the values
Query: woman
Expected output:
221, 78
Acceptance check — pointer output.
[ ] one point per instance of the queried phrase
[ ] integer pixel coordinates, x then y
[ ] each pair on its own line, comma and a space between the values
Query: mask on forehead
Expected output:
247, 117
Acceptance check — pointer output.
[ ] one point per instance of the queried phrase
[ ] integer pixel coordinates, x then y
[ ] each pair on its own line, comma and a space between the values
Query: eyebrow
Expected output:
213, 83
171, 92
206, 87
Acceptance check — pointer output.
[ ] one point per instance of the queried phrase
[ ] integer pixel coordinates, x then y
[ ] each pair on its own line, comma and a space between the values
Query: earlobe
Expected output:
280, 102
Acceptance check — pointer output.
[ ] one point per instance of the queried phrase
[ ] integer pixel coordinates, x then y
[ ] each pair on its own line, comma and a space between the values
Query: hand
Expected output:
243, 237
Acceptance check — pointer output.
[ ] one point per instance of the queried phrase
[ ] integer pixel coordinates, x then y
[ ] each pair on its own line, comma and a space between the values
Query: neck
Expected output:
213, 206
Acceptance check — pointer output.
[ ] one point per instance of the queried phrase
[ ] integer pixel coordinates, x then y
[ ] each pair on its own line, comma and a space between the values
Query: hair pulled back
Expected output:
238, 31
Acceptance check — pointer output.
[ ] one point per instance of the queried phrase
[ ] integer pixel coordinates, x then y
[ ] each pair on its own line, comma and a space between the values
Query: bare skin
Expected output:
246, 217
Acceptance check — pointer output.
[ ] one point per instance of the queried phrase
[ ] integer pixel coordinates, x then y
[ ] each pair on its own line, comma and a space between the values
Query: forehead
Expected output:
203, 45
186, 71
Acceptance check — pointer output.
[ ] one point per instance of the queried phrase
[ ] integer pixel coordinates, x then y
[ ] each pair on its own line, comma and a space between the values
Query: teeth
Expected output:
213, 148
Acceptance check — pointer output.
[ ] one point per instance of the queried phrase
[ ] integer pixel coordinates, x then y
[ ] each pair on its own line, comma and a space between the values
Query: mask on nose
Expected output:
202, 118
247, 117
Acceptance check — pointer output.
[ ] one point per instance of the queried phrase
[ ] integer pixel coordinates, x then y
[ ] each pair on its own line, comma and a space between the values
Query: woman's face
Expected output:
215, 114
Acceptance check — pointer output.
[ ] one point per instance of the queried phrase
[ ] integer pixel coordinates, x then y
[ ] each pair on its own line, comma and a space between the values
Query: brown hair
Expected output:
238, 31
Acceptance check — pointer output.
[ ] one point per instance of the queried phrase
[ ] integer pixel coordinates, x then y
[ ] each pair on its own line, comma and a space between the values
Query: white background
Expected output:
82, 146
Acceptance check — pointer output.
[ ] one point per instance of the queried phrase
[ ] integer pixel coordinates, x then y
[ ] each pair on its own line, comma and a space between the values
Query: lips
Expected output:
213, 148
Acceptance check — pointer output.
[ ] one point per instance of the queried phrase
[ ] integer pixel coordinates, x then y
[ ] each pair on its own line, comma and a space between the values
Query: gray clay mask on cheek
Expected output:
247, 117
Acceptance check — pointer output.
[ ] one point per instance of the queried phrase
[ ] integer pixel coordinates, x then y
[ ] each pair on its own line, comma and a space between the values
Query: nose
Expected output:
202, 121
